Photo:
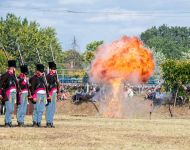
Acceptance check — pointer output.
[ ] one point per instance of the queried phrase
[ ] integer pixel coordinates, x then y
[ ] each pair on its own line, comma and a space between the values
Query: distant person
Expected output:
129, 93
96, 95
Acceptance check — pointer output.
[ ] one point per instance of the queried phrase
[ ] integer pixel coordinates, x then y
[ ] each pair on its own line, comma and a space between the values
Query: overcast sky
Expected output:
99, 19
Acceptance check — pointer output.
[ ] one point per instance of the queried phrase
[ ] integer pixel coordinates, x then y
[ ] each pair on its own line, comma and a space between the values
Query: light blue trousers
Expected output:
50, 110
9, 106
39, 107
21, 109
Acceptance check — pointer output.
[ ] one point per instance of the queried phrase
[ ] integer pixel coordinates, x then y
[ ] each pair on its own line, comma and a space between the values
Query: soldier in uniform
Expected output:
39, 94
22, 97
9, 87
53, 89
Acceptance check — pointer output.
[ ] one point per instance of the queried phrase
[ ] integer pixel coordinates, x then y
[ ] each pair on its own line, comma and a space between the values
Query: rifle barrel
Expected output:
53, 60
41, 62
38, 56
21, 58
52, 52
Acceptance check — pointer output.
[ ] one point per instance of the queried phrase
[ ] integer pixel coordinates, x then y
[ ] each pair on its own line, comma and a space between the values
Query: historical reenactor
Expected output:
39, 94
22, 97
9, 87
53, 89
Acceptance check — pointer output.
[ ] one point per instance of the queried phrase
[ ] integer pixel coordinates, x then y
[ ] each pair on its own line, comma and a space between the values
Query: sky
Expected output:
106, 20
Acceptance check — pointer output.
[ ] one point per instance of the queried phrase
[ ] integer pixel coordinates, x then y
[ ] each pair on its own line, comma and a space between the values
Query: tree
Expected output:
176, 73
29, 36
171, 41
3, 62
91, 48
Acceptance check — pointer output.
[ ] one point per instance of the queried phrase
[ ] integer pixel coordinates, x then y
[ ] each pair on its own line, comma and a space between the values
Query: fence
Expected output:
71, 75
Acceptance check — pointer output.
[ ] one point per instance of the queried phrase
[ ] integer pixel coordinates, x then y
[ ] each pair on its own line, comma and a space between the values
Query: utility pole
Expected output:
74, 44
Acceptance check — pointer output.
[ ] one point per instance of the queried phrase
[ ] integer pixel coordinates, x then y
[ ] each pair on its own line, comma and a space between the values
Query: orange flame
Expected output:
125, 59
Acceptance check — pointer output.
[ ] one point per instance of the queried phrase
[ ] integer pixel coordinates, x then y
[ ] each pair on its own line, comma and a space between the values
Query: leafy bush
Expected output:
176, 73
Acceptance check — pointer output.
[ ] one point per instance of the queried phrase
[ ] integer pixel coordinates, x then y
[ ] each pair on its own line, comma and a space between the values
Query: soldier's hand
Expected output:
34, 99
49, 99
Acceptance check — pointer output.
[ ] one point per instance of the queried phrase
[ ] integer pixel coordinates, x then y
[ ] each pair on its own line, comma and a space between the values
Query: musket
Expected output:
52, 52
22, 63
57, 80
14, 71
38, 55
53, 60
46, 84
21, 58
41, 62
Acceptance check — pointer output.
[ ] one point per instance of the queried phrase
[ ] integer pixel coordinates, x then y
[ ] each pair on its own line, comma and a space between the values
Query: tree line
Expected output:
165, 42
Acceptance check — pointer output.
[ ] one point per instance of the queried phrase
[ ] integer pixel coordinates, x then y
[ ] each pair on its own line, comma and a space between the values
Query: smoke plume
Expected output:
123, 60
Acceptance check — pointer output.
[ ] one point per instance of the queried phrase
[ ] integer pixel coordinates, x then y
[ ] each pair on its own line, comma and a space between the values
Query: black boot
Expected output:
34, 124
52, 126
48, 125
10, 124
39, 124
19, 124
7, 125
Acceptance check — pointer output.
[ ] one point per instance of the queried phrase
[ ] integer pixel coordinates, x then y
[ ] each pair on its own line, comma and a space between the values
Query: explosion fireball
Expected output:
123, 60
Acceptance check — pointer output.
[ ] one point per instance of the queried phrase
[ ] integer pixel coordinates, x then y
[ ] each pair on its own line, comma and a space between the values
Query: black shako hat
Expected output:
24, 69
12, 63
52, 65
40, 67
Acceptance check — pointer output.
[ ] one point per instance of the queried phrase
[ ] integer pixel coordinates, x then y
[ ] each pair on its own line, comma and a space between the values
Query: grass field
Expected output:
86, 133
